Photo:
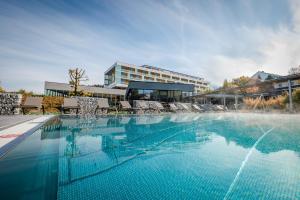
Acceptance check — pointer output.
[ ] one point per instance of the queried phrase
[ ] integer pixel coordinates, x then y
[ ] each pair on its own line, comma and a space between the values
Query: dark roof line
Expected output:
143, 85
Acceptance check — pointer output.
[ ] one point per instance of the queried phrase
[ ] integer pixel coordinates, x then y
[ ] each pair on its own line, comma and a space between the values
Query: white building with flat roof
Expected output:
119, 75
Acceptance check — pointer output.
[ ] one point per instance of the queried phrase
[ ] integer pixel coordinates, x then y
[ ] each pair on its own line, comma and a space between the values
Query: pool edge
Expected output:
12, 144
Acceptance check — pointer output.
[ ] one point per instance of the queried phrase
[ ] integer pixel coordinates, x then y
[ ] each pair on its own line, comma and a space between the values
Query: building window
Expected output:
166, 76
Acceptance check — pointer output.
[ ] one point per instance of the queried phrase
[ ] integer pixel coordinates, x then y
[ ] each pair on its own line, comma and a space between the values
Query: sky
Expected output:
215, 39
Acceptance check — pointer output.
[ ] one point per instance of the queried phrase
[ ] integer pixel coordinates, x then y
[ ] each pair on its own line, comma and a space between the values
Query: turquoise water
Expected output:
182, 156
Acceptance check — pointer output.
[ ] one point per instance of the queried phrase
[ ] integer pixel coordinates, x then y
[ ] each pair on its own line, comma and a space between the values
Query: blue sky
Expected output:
41, 40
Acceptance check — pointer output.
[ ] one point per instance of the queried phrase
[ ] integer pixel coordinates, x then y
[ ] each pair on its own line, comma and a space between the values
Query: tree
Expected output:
25, 93
241, 81
76, 76
294, 70
1, 88
225, 84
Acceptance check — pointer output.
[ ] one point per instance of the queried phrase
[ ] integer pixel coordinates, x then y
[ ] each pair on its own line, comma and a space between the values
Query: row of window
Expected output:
139, 77
125, 70
285, 84
161, 95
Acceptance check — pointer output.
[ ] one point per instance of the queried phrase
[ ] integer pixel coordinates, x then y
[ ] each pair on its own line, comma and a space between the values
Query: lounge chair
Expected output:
102, 106
187, 106
71, 104
220, 108
182, 107
197, 108
173, 107
33, 102
155, 106
125, 106
206, 107
140, 106
159, 105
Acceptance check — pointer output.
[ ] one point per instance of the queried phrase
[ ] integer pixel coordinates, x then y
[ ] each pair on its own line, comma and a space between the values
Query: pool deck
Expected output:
17, 127
7, 121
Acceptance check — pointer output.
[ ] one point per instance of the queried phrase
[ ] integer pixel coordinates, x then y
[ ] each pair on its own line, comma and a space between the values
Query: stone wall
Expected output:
10, 103
87, 105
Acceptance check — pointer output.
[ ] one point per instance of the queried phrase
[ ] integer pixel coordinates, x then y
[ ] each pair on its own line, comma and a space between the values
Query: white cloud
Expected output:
41, 46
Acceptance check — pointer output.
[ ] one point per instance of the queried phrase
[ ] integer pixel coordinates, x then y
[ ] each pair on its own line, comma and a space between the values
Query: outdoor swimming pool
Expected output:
182, 156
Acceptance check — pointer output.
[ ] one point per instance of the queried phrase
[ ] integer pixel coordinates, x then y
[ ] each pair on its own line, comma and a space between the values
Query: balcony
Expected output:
165, 76
124, 75
135, 77
148, 78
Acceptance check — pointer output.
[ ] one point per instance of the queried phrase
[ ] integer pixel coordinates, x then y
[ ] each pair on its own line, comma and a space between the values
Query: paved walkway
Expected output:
11, 136
7, 121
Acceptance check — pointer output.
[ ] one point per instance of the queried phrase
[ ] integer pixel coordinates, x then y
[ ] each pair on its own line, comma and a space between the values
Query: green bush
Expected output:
296, 96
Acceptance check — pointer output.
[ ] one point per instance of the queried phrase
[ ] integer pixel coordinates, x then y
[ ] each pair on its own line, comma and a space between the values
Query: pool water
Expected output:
180, 156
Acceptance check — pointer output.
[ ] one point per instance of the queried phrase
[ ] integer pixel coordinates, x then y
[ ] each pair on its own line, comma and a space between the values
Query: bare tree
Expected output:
294, 70
1, 88
76, 76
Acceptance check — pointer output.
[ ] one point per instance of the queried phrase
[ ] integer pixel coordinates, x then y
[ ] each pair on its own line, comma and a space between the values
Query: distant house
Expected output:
262, 76
282, 83
279, 83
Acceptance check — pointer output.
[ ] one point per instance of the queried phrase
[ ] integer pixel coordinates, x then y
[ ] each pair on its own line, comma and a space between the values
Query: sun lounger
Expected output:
125, 106
206, 107
102, 106
220, 108
187, 106
140, 106
173, 107
159, 106
70, 104
182, 107
197, 108
33, 102
155, 106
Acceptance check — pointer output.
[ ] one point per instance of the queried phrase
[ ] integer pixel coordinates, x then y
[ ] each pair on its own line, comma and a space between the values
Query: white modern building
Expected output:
119, 75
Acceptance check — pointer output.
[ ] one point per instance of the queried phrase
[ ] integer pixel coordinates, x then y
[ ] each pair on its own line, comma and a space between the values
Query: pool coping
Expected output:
23, 133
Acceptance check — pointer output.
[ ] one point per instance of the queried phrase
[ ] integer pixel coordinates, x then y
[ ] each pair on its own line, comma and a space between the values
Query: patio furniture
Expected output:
102, 106
220, 108
33, 102
182, 107
140, 106
187, 106
156, 106
197, 108
125, 106
173, 107
70, 104
206, 107
159, 106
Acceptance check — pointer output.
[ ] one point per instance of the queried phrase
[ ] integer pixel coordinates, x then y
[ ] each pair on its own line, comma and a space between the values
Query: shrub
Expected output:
296, 96
261, 103
52, 104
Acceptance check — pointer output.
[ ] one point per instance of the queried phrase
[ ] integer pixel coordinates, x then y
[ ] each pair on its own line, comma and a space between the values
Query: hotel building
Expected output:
119, 75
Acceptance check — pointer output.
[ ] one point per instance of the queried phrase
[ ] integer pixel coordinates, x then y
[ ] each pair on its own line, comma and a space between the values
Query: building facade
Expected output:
119, 75
156, 91
64, 89
264, 76
282, 83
